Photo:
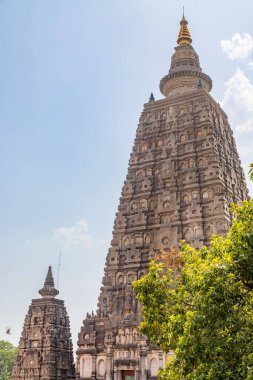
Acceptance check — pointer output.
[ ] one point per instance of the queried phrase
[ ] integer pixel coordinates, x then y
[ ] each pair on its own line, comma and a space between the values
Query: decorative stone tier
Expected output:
184, 81
185, 73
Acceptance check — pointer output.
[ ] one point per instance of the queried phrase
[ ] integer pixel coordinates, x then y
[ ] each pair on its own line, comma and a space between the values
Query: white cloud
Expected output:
238, 101
74, 236
250, 65
238, 47
238, 104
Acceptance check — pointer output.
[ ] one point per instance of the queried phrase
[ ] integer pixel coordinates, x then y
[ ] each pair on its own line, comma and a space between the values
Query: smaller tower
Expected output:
45, 348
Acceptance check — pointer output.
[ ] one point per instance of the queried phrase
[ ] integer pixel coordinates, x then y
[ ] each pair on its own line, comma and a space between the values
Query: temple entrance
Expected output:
127, 375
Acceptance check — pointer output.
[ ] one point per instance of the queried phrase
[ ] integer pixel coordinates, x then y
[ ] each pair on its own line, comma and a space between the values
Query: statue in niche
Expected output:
114, 304
110, 305
129, 300
127, 313
119, 304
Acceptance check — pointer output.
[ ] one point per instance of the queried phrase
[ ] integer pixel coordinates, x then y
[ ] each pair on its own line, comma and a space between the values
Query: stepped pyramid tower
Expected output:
45, 348
183, 173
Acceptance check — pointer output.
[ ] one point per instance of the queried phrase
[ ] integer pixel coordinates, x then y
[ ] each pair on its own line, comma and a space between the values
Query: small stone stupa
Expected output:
45, 348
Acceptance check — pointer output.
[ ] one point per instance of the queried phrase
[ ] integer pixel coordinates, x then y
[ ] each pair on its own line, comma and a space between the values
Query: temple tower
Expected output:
183, 173
45, 347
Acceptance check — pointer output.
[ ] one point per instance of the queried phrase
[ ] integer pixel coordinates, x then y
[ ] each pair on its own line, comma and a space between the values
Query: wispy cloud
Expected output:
238, 47
238, 104
238, 101
74, 236
250, 65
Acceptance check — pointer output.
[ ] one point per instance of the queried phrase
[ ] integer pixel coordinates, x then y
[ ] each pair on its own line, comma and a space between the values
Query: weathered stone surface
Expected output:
183, 173
45, 348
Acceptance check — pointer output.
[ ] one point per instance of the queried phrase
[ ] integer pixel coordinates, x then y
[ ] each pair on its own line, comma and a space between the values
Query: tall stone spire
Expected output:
183, 173
45, 347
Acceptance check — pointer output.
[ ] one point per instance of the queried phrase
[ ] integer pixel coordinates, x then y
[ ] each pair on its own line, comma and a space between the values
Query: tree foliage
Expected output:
200, 304
251, 171
7, 358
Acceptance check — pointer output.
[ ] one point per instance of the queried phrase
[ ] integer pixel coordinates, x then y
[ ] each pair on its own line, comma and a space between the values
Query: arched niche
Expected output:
147, 239
187, 234
140, 174
86, 366
138, 239
200, 133
201, 163
120, 279
149, 172
144, 147
154, 367
152, 205
196, 230
133, 206
205, 195
191, 163
126, 241
181, 111
131, 277
208, 231
101, 367
186, 198
166, 205
143, 203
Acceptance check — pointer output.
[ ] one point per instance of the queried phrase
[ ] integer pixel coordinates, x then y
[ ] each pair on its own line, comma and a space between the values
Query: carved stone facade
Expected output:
45, 347
183, 173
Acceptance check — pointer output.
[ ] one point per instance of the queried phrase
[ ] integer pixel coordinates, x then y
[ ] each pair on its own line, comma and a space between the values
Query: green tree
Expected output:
7, 357
251, 172
200, 304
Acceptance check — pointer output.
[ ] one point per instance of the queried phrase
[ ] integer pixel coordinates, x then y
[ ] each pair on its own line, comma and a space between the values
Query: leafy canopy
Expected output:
199, 303
251, 172
7, 357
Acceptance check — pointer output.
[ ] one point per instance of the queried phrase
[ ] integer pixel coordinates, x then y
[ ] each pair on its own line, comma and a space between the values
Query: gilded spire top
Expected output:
184, 36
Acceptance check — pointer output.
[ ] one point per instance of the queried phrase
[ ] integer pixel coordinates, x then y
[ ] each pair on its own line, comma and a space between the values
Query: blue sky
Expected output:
73, 79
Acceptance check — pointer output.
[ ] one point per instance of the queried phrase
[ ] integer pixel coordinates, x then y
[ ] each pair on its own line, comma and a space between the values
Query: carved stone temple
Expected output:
183, 173
45, 347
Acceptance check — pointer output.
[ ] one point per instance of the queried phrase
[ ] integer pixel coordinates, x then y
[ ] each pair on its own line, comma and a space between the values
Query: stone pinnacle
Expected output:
48, 289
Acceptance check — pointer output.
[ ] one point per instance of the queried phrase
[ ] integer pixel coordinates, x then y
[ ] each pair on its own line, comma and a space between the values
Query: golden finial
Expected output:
184, 36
